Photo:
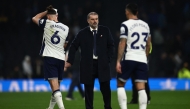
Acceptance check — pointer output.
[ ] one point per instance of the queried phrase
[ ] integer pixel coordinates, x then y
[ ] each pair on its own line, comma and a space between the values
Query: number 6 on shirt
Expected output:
55, 39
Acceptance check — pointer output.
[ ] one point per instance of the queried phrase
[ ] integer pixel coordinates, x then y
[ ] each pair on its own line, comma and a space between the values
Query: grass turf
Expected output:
40, 100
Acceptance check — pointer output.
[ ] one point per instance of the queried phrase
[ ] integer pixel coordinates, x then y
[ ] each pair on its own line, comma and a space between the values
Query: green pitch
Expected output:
160, 100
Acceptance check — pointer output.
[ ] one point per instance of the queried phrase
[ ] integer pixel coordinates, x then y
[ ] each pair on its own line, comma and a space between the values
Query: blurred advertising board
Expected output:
39, 85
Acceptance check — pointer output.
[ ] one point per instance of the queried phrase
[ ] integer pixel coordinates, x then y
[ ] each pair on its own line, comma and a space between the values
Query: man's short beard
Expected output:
94, 26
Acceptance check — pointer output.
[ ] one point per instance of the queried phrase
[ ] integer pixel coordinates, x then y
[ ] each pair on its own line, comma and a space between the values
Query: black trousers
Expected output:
104, 88
75, 82
135, 91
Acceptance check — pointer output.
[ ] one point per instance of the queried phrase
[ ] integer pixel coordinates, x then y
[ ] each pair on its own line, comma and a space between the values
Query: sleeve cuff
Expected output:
123, 36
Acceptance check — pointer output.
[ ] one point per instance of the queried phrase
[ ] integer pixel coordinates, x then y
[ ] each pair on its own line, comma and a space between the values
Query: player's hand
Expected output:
67, 65
65, 69
118, 67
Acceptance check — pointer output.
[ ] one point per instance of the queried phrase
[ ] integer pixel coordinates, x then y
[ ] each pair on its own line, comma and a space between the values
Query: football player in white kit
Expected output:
133, 49
52, 50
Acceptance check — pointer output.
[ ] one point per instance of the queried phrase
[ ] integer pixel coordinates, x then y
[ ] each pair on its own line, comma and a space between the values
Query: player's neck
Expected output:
133, 17
55, 20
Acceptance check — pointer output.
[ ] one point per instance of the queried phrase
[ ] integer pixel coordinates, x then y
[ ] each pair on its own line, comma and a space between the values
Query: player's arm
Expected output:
123, 41
66, 42
39, 16
148, 46
121, 48
65, 45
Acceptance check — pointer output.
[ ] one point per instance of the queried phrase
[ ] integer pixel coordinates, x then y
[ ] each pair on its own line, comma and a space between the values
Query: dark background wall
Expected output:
169, 21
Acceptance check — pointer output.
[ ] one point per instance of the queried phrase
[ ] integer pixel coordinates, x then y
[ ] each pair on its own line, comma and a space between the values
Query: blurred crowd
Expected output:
20, 39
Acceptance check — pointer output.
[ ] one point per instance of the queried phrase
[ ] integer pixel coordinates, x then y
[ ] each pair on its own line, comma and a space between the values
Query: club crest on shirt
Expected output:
122, 30
41, 21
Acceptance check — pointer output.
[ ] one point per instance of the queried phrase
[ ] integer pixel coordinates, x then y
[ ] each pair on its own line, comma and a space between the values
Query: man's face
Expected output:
93, 21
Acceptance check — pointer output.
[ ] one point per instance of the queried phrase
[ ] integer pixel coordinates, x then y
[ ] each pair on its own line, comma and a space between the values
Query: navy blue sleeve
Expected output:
42, 23
123, 31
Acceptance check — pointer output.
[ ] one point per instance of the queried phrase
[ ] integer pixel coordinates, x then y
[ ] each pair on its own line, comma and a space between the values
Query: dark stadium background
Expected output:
169, 21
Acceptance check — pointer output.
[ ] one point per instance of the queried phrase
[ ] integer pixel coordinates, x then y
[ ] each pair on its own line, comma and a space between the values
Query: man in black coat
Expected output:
97, 47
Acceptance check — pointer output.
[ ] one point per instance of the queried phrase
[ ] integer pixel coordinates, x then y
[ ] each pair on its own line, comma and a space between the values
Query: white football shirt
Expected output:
55, 34
136, 32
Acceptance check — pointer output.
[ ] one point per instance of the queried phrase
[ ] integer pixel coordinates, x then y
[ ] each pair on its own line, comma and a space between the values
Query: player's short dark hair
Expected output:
50, 10
91, 13
132, 7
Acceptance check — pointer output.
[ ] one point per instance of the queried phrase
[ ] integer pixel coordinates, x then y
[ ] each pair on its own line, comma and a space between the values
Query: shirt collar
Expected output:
93, 29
